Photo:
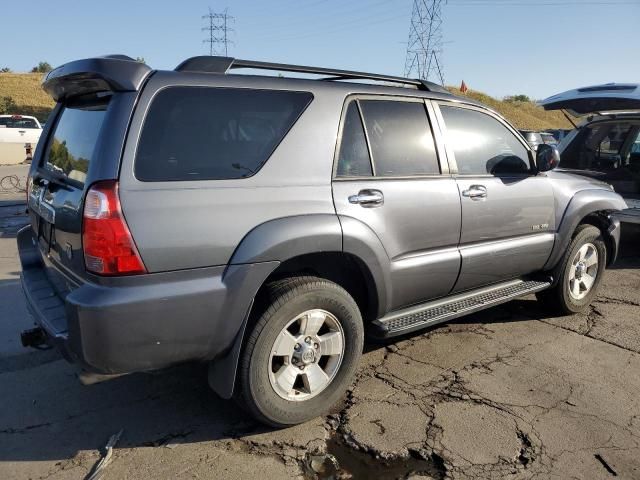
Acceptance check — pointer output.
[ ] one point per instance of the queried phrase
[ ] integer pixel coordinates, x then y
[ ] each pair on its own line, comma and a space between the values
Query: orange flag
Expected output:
463, 87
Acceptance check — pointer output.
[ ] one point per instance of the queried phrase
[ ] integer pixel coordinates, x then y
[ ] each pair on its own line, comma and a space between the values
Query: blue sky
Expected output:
500, 47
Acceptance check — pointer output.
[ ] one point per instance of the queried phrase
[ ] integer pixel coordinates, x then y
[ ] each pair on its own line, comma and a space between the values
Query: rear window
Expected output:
196, 133
17, 122
74, 139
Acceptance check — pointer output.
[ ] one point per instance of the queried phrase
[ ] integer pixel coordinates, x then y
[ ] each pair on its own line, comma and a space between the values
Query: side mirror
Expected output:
547, 157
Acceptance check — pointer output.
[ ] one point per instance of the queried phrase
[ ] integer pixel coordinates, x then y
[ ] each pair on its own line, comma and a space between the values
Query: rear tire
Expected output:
579, 273
302, 353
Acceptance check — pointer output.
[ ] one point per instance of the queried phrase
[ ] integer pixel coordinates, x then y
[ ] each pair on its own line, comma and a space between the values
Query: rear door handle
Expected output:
475, 192
367, 198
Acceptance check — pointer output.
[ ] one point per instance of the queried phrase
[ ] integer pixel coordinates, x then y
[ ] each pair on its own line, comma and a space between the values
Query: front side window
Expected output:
74, 139
400, 138
198, 133
482, 145
353, 158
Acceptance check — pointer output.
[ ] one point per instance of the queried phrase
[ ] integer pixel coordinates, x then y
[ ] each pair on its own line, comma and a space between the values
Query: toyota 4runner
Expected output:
265, 224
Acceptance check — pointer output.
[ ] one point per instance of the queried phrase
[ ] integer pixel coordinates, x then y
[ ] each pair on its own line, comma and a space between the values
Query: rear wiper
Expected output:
52, 177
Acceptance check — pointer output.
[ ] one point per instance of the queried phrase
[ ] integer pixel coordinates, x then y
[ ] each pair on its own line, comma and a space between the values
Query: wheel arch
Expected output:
308, 244
592, 207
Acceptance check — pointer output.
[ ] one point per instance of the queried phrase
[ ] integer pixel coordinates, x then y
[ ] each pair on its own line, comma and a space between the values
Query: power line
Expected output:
424, 49
219, 30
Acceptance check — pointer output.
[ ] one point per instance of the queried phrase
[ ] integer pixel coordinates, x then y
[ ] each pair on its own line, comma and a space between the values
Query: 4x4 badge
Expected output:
541, 226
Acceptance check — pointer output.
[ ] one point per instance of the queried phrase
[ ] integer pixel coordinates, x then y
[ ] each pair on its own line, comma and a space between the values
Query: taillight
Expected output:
106, 240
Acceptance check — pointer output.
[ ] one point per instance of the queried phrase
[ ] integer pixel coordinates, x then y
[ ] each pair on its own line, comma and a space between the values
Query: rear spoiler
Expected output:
116, 73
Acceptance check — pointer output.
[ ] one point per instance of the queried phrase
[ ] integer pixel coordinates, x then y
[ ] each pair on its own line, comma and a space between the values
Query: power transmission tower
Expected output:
218, 28
424, 49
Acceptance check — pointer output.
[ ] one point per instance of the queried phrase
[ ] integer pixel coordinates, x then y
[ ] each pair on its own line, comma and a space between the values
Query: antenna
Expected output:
219, 30
424, 48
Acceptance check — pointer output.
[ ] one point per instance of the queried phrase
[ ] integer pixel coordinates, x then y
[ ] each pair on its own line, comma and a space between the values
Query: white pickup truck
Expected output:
15, 132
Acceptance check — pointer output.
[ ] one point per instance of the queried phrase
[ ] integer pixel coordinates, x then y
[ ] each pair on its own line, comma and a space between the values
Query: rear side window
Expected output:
196, 133
74, 139
400, 138
482, 145
17, 122
353, 159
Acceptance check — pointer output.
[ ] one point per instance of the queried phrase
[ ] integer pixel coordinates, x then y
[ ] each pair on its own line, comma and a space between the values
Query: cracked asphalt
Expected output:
511, 392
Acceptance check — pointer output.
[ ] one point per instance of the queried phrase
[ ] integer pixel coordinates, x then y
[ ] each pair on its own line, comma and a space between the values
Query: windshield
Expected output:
17, 122
74, 139
609, 149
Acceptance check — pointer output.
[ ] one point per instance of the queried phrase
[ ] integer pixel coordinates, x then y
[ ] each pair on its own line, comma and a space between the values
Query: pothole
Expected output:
356, 464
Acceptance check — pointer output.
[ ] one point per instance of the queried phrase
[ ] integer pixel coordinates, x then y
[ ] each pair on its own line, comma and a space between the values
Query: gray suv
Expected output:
265, 224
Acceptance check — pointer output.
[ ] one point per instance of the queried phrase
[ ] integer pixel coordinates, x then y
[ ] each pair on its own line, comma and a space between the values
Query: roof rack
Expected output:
215, 64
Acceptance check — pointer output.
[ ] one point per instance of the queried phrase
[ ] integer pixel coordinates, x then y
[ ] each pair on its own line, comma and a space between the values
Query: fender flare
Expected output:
362, 242
582, 204
278, 240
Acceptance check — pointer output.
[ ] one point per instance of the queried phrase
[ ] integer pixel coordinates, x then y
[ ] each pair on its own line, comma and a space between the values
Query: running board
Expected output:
438, 311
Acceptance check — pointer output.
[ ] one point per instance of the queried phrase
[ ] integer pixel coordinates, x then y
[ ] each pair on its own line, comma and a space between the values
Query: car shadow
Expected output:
48, 415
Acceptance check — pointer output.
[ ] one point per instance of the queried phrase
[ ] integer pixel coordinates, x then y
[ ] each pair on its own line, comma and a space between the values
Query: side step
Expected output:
438, 311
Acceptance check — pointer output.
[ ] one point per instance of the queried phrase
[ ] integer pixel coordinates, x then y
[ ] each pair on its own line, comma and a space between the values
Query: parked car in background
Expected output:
533, 138
559, 133
606, 144
19, 129
16, 131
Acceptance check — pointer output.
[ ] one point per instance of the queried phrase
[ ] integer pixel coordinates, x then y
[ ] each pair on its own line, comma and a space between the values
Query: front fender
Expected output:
581, 205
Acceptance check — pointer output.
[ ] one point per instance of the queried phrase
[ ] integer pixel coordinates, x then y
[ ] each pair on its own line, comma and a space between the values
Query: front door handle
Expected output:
367, 198
475, 192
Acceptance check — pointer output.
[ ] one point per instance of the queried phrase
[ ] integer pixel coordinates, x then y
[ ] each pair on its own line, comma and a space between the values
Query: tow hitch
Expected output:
34, 337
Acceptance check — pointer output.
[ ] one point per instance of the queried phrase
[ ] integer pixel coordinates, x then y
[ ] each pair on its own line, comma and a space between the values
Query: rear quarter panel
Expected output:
178, 225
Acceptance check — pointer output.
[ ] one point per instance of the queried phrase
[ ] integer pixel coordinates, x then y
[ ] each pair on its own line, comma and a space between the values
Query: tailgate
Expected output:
610, 97
60, 177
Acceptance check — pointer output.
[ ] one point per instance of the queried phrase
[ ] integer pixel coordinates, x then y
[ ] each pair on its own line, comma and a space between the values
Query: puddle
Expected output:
359, 465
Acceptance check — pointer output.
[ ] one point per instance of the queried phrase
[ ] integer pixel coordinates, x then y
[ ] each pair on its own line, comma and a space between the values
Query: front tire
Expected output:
579, 273
302, 353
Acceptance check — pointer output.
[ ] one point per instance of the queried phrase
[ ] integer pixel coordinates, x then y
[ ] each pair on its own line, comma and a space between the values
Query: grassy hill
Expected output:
30, 99
25, 91
523, 115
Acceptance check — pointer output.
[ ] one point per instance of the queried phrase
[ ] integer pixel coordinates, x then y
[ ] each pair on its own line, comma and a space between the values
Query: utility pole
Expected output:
218, 29
424, 49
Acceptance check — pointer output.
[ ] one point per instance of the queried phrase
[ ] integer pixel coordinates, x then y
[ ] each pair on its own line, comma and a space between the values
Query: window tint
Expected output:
196, 133
353, 159
74, 139
400, 138
482, 144
17, 121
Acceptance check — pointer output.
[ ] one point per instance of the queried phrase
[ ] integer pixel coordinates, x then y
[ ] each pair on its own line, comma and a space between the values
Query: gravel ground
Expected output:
507, 393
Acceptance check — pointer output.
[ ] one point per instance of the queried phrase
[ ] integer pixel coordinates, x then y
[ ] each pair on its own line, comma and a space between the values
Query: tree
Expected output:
43, 67
5, 70
7, 106
517, 98
140, 59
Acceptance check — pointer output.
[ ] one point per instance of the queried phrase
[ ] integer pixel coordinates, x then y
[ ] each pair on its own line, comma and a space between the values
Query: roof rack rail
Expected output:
215, 64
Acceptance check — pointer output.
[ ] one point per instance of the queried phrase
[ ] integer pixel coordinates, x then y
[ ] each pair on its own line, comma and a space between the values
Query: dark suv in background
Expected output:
263, 224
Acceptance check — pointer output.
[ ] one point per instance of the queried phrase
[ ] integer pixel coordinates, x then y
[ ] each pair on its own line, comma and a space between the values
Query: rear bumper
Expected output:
140, 322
